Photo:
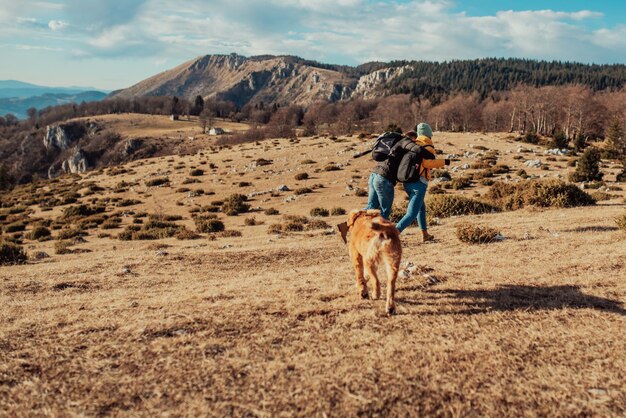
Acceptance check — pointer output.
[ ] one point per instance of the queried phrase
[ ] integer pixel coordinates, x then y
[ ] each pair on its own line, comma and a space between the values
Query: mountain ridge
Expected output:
288, 79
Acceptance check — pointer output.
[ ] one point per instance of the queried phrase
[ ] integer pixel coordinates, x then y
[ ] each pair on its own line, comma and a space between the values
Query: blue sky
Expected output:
112, 44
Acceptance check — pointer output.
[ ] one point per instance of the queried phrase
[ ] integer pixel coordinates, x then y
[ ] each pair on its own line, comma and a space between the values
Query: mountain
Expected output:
19, 105
293, 80
241, 80
20, 89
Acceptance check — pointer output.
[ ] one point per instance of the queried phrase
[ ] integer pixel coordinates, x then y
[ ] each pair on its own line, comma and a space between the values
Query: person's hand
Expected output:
446, 161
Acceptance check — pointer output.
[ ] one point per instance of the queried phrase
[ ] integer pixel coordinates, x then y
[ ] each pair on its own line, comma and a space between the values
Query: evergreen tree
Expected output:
616, 142
588, 168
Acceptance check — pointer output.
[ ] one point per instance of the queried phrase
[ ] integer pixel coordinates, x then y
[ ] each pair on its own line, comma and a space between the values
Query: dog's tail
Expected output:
383, 235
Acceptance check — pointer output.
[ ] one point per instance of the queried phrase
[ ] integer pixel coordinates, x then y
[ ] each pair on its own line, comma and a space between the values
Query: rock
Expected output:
56, 137
533, 163
556, 151
76, 163
131, 146
283, 188
40, 255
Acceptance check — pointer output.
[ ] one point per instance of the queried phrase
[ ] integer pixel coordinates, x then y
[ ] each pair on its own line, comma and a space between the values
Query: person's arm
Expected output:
430, 161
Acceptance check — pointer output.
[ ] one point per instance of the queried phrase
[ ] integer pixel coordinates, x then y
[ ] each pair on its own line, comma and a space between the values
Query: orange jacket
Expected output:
428, 165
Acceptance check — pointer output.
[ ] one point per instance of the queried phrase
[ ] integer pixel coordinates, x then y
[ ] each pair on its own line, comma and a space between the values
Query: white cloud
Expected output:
57, 25
327, 30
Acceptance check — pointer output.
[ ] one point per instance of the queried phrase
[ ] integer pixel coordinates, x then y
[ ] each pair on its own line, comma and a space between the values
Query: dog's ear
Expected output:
352, 217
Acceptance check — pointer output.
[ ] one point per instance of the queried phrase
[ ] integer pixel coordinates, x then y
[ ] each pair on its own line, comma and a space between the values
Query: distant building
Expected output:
216, 131
174, 117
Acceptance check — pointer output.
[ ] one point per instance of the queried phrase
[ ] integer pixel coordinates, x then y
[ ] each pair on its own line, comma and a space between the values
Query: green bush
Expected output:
588, 167
11, 253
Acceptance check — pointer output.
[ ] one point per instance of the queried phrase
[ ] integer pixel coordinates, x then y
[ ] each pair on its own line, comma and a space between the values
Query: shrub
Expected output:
529, 138
196, 172
293, 226
332, 167
11, 253
319, 212
231, 233
559, 140
275, 229
39, 232
206, 226
128, 202
81, 211
317, 224
235, 204
301, 176
63, 247
476, 234
251, 221
190, 181
15, 227
588, 168
70, 233
552, 193
307, 161
303, 190
271, 211
621, 222
360, 192
337, 211
621, 177
159, 181
184, 233
444, 205
599, 196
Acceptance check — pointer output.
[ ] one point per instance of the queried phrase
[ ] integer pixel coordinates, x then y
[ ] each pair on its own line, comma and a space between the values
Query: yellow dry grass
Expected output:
267, 325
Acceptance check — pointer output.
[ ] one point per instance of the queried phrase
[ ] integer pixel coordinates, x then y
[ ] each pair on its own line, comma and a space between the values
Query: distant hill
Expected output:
293, 80
20, 89
19, 105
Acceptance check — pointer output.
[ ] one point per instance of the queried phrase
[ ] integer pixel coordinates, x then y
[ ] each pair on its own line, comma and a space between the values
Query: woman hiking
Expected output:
415, 186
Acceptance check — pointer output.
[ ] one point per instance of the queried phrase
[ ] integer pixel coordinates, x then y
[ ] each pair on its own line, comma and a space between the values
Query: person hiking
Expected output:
414, 172
385, 176
382, 180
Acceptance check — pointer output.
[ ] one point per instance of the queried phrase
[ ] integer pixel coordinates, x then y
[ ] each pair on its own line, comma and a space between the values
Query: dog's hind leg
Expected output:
392, 266
361, 284
371, 265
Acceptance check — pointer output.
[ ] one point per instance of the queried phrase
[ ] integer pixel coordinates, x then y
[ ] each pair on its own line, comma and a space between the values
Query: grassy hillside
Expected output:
268, 324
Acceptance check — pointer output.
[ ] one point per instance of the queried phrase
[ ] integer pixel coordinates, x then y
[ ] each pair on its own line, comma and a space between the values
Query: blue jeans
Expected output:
416, 208
380, 194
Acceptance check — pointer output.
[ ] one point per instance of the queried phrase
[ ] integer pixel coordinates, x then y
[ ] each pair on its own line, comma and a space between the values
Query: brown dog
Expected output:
373, 240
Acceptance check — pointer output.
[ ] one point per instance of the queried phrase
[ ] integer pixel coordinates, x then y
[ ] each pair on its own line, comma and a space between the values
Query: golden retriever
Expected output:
374, 240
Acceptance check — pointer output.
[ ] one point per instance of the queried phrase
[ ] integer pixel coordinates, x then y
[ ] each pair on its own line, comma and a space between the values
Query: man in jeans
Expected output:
383, 180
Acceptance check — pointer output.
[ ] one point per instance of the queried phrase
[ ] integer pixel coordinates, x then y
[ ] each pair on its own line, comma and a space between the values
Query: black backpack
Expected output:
410, 165
383, 145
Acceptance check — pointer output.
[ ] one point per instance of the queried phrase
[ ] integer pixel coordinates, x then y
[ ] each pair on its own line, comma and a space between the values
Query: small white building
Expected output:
174, 117
216, 131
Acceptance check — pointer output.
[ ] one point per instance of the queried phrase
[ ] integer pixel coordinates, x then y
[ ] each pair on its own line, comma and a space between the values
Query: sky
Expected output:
112, 44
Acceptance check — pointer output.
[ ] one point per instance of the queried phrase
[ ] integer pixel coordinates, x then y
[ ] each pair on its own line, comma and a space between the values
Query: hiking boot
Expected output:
426, 237
342, 228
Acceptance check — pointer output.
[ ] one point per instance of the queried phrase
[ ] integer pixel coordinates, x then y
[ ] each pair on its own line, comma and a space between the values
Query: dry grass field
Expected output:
269, 324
